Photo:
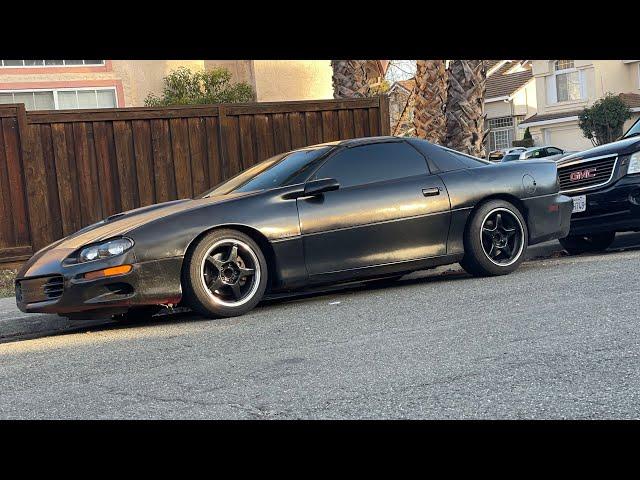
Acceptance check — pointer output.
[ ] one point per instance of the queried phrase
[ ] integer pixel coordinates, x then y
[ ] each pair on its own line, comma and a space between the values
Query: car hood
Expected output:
621, 147
114, 226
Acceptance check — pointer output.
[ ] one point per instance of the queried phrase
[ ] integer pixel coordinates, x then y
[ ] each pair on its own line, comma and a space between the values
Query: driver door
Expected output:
389, 209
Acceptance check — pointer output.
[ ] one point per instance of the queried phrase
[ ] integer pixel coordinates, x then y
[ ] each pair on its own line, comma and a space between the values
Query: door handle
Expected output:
430, 192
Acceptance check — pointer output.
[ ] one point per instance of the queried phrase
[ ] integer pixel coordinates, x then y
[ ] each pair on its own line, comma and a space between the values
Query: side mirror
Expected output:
316, 187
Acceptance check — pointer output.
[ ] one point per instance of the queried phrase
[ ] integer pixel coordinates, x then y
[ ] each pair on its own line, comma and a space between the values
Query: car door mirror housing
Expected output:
316, 187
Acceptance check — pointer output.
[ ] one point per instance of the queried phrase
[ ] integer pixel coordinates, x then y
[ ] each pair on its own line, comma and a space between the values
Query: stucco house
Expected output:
565, 87
510, 98
69, 84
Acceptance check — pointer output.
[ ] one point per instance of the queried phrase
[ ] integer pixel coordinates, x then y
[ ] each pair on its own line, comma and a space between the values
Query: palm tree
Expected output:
465, 107
354, 78
430, 97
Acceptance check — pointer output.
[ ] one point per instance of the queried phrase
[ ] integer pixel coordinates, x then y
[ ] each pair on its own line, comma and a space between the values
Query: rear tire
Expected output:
597, 242
495, 239
225, 275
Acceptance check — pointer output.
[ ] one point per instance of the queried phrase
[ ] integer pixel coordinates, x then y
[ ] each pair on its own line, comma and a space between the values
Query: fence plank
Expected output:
247, 138
38, 201
67, 191
55, 220
10, 136
313, 123
345, 124
144, 161
165, 183
198, 149
180, 150
231, 145
281, 133
216, 170
298, 130
265, 147
105, 153
330, 126
7, 235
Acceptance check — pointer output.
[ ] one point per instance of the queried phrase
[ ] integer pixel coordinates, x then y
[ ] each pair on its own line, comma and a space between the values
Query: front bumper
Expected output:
63, 290
615, 208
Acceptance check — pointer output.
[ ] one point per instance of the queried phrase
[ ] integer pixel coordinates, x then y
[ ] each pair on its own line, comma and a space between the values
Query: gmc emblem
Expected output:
582, 174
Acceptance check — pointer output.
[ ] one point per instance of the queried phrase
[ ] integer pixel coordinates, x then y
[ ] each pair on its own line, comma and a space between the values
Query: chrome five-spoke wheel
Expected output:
230, 272
225, 274
495, 239
502, 236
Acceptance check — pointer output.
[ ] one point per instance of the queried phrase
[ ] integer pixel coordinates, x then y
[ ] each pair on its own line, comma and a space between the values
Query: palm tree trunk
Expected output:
353, 78
430, 97
465, 107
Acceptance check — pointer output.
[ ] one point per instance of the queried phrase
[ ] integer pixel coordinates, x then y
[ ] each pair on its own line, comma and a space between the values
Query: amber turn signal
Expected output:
108, 272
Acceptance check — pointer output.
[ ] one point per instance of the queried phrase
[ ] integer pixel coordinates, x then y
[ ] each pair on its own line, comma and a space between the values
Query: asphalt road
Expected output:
559, 338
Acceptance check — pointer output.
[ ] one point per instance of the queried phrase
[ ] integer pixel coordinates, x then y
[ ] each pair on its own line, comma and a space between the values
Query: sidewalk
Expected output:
15, 325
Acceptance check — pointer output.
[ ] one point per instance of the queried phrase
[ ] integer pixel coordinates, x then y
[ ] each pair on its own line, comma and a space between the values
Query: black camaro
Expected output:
367, 208
604, 183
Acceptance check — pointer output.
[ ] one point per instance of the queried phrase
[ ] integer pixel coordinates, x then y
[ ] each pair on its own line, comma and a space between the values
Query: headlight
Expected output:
634, 163
105, 250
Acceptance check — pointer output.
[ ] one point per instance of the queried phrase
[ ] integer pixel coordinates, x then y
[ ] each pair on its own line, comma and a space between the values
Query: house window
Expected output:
500, 122
49, 63
567, 81
501, 133
62, 99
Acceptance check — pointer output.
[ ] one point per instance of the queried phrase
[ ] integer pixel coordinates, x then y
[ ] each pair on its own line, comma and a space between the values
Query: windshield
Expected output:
511, 157
634, 130
278, 171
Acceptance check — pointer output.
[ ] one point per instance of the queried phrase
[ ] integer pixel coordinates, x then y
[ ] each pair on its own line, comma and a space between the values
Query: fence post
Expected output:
224, 153
383, 109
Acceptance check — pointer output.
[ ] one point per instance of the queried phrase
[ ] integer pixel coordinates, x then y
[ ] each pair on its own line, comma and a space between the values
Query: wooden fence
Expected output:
62, 170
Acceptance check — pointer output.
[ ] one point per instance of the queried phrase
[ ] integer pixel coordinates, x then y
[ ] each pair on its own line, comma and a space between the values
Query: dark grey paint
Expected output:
357, 232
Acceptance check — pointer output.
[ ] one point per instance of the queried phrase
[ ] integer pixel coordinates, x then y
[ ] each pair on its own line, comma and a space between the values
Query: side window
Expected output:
447, 160
373, 163
553, 151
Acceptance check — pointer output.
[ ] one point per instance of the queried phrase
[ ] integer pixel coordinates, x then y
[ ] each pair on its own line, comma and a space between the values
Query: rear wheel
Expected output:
597, 242
225, 275
495, 239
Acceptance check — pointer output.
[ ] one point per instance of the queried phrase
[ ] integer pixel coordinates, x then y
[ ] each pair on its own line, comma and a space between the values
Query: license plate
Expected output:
579, 203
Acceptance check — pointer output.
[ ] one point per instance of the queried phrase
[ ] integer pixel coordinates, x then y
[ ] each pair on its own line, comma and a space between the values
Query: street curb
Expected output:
16, 325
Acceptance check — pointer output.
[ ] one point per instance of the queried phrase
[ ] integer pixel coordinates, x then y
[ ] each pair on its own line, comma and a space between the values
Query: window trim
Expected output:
65, 89
553, 85
104, 62
106, 66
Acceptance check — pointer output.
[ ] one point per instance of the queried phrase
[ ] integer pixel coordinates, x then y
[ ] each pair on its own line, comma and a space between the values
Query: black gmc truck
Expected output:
605, 185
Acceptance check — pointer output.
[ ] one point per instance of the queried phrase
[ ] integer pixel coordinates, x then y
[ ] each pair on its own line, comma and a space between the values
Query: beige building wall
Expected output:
601, 76
281, 80
142, 77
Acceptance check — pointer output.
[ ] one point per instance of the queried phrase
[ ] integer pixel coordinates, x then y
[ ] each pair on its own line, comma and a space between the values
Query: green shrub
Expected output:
603, 121
184, 87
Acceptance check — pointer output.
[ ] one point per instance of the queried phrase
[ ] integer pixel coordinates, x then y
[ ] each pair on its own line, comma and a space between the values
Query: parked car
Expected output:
604, 183
358, 209
497, 155
547, 152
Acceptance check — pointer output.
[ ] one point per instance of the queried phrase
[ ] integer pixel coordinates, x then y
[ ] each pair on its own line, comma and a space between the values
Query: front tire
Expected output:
597, 242
495, 239
225, 275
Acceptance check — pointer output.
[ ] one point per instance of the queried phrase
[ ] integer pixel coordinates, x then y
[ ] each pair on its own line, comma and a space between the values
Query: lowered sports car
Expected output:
360, 209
